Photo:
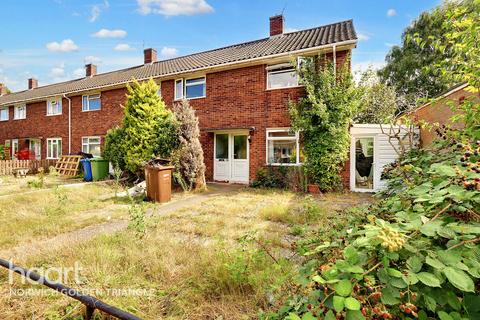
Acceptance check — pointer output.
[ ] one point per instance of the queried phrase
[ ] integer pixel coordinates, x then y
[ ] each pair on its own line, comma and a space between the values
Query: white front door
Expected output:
231, 162
14, 149
221, 170
35, 146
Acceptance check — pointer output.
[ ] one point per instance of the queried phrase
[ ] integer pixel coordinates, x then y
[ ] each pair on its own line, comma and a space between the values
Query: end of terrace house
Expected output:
240, 94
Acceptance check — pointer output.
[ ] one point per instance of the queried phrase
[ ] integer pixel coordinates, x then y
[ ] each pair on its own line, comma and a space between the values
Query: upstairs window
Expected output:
190, 88
91, 145
91, 102
4, 114
20, 112
283, 147
195, 88
54, 148
281, 76
179, 89
54, 107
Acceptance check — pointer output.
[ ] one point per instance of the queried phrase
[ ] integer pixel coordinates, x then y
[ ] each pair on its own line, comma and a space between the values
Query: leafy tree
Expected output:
323, 117
188, 158
406, 64
148, 129
378, 102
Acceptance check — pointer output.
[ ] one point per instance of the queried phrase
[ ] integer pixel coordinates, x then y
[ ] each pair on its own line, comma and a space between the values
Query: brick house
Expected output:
240, 94
439, 111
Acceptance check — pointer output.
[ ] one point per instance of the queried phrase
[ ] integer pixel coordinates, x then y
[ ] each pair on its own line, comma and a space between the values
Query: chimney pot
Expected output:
3, 89
32, 83
276, 25
90, 70
149, 55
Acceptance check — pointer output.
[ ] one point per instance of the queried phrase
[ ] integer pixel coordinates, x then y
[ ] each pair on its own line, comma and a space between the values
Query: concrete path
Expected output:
26, 250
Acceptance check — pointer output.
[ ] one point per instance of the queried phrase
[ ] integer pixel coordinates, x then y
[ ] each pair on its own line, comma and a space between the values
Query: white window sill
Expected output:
4, 120
285, 164
47, 158
19, 118
91, 110
177, 100
283, 88
54, 114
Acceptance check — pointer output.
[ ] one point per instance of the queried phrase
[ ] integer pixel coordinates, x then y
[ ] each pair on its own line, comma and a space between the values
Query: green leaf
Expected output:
394, 273
351, 255
431, 227
411, 278
308, 316
459, 279
434, 263
444, 316
318, 279
352, 304
330, 315
338, 303
414, 264
292, 316
390, 295
443, 170
355, 269
428, 279
343, 288
453, 300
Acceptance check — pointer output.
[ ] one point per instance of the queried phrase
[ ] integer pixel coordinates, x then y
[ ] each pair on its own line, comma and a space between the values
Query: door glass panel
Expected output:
364, 163
240, 147
221, 147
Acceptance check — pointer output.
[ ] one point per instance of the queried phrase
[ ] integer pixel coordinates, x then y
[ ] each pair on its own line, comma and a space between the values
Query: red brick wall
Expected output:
438, 112
235, 98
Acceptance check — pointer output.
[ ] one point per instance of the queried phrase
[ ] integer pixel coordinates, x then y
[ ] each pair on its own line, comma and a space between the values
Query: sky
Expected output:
52, 40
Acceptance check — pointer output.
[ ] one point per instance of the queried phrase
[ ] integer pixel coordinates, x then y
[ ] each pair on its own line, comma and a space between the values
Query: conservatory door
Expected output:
364, 164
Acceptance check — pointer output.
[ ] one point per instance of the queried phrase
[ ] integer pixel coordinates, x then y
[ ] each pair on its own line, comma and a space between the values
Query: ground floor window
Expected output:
283, 147
54, 148
91, 145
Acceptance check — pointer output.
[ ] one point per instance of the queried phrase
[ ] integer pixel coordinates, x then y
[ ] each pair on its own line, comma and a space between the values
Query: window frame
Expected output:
58, 100
281, 68
296, 138
99, 94
88, 144
183, 81
15, 108
204, 82
2, 109
49, 156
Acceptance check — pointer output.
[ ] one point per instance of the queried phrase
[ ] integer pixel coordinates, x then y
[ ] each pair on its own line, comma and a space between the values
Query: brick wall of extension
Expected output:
236, 98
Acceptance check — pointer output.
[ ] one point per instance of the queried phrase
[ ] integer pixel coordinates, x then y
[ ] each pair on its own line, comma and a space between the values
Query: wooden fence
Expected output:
7, 166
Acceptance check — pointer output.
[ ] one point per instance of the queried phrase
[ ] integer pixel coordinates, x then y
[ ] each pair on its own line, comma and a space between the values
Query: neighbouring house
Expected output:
439, 111
240, 94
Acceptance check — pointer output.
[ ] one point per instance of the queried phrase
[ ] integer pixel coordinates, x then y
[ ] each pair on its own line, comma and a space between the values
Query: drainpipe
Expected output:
335, 60
69, 124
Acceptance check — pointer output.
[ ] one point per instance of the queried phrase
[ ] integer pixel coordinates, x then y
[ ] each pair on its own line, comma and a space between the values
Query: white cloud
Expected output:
79, 73
66, 45
288, 30
362, 36
57, 72
97, 10
391, 13
106, 33
359, 67
173, 7
92, 59
123, 47
168, 53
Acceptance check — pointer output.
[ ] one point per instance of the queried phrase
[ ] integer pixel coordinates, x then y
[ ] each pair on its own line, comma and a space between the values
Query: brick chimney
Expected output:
149, 56
276, 25
32, 83
90, 70
3, 89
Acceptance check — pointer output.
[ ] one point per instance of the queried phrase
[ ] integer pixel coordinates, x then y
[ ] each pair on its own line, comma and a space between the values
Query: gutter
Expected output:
69, 124
300, 51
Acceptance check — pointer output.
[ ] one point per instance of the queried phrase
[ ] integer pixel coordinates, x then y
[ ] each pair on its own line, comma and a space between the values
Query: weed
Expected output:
60, 205
39, 181
137, 219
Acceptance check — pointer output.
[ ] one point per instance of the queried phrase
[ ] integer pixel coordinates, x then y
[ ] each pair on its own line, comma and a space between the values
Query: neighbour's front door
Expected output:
231, 161
35, 147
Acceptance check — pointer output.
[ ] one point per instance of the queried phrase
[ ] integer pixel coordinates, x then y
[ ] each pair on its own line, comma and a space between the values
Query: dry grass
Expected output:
29, 216
10, 185
221, 259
